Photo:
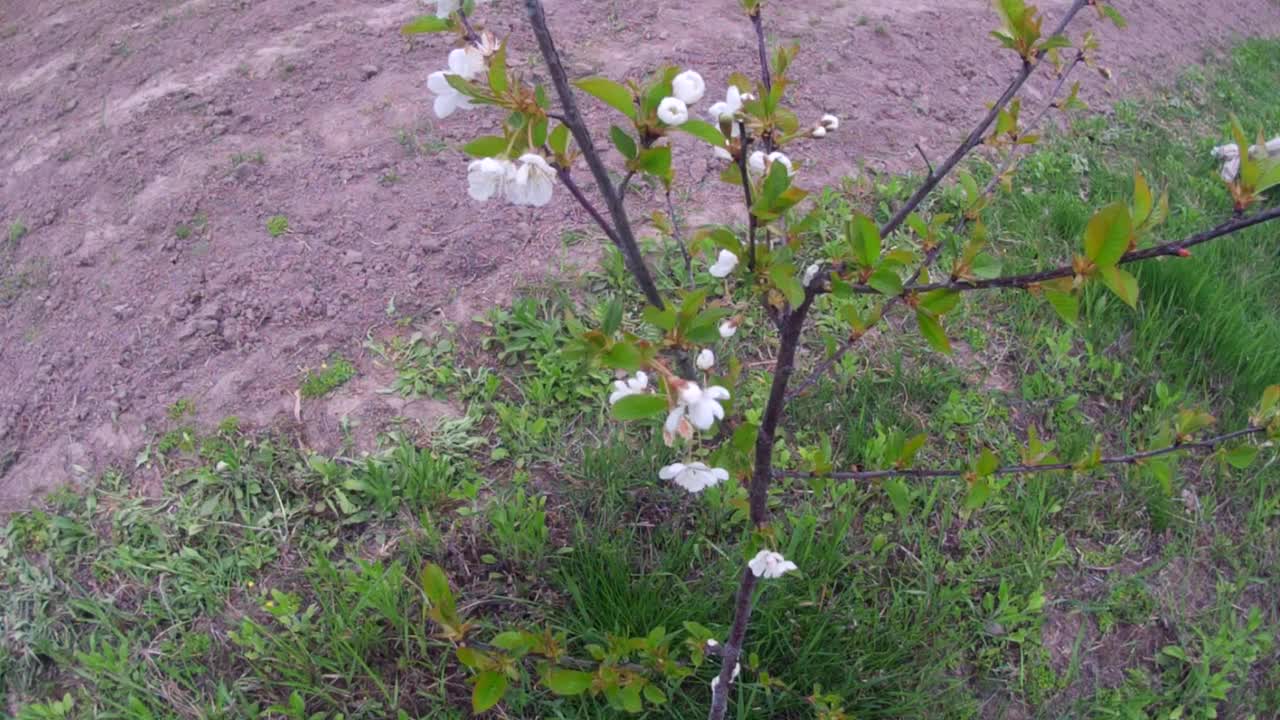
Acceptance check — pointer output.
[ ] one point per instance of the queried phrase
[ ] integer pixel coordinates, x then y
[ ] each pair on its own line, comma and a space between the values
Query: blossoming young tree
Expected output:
784, 258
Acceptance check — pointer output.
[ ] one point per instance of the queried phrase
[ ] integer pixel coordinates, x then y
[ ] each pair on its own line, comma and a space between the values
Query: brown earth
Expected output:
144, 145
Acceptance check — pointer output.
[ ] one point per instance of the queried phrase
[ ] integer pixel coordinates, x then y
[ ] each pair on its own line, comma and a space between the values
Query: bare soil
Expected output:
144, 145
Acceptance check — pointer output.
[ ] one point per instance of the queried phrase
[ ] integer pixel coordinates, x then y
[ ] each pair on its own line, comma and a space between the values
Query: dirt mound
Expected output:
201, 200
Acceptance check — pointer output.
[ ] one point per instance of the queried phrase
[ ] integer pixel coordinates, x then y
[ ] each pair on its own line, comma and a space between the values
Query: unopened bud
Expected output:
819, 132
1183, 252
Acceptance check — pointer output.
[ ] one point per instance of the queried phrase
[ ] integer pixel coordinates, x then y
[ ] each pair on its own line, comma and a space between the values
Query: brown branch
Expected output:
746, 190
732, 649
1131, 459
976, 136
766, 79
934, 253
623, 236
472, 36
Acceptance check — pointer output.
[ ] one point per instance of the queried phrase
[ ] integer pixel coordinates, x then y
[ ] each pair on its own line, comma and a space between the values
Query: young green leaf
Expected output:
704, 131
565, 682
933, 332
900, 495
1064, 303
1241, 457
612, 317
1143, 202
1123, 284
664, 319
1106, 239
886, 281
498, 70
486, 146
426, 24
436, 586
657, 162
624, 355
864, 239
490, 687
610, 93
624, 142
639, 407
558, 139
939, 302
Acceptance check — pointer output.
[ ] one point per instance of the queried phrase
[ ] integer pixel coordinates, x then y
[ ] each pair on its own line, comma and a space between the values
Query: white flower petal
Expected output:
721, 154
466, 62
725, 263
728, 328
445, 105
755, 163
830, 122
703, 414
673, 111
689, 87
810, 273
669, 472
446, 7
706, 359
818, 132
781, 158
715, 392
437, 83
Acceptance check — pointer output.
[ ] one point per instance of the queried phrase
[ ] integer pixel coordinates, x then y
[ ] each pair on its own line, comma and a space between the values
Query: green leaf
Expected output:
654, 695
624, 142
1143, 202
498, 70
629, 696
1113, 15
486, 146
664, 319
864, 239
657, 162
784, 278
1065, 304
886, 281
985, 266
612, 317
639, 407
559, 139
624, 355
565, 682
610, 93
987, 463
490, 687
979, 493
940, 302
705, 131
426, 24
1241, 457
933, 332
776, 183
1120, 282
899, 495
1107, 237
436, 586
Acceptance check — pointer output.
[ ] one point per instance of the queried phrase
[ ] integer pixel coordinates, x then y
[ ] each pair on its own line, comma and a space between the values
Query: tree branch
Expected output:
675, 235
975, 138
746, 190
732, 649
766, 79
623, 236
1131, 459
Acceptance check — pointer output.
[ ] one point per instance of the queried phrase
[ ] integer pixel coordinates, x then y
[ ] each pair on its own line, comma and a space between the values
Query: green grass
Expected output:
331, 375
263, 580
277, 225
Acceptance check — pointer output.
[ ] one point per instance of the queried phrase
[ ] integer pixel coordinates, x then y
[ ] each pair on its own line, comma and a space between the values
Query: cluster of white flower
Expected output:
724, 264
687, 88
466, 63
529, 184
637, 385
759, 163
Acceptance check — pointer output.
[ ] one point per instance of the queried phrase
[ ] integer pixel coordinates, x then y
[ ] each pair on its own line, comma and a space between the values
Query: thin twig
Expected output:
925, 156
1014, 156
623, 235
976, 136
472, 36
746, 191
766, 78
675, 235
1130, 459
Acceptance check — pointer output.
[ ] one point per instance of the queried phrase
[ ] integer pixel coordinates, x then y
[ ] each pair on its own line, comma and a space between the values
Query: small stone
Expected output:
208, 326
187, 330
367, 72
71, 105
353, 257
119, 311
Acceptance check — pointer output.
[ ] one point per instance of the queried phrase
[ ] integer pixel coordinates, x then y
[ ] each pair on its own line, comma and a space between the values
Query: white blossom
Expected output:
818, 132
532, 183
673, 111
756, 162
777, 157
488, 177
830, 122
631, 386
768, 564
699, 407
689, 87
737, 670
694, 477
810, 273
706, 359
728, 328
731, 104
724, 264
466, 63
488, 44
